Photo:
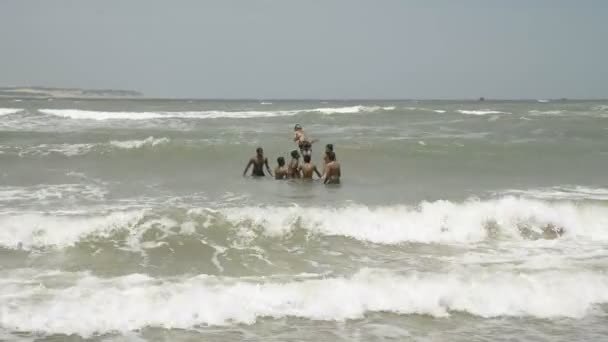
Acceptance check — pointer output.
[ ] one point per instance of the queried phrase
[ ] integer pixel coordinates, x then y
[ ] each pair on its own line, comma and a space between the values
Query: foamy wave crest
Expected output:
8, 111
565, 193
602, 108
510, 218
11, 194
30, 231
93, 305
546, 112
130, 144
480, 112
352, 109
436, 222
71, 150
421, 109
211, 114
95, 115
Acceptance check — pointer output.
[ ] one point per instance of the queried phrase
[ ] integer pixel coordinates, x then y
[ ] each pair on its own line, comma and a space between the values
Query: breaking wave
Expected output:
210, 114
131, 144
564, 193
480, 112
509, 218
8, 111
88, 305
71, 150
546, 112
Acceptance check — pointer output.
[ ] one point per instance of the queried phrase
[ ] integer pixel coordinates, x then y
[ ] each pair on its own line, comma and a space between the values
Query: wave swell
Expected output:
445, 222
8, 111
210, 114
95, 305
480, 112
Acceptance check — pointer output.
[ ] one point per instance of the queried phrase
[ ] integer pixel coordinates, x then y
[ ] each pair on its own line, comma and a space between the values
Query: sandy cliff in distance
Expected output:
46, 92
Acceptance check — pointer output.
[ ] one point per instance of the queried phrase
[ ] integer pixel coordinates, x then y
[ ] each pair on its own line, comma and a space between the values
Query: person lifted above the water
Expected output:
308, 168
281, 170
258, 162
303, 142
332, 170
293, 169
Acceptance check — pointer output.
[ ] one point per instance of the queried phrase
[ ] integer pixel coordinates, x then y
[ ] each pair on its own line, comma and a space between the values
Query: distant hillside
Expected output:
44, 92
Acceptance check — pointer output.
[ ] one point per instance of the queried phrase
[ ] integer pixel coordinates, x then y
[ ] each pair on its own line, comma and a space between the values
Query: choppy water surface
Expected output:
129, 220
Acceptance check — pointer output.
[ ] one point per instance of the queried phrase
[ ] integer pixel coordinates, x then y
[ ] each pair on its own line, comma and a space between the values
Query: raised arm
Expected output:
248, 166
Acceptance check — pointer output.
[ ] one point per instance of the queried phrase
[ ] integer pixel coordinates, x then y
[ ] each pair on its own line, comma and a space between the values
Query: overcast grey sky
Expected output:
310, 49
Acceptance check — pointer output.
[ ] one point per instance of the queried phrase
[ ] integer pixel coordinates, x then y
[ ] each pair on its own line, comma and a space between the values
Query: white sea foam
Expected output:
71, 150
352, 109
440, 111
8, 111
546, 112
601, 107
33, 230
134, 144
92, 305
433, 222
480, 112
543, 101
509, 218
48, 192
210, 114
564, 193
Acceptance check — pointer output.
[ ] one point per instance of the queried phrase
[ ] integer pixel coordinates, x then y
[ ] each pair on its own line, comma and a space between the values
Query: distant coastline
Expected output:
52, 92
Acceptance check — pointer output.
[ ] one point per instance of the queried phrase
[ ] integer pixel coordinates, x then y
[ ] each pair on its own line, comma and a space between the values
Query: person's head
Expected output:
307, 158
295, 154
259, 151
331, 156
281, 161
297, 127
329, 148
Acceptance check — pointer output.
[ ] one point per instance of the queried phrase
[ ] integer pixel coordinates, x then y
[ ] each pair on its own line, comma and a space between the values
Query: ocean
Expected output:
130, 220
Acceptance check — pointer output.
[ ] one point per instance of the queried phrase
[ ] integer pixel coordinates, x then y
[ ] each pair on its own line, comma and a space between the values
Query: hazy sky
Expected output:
310, 49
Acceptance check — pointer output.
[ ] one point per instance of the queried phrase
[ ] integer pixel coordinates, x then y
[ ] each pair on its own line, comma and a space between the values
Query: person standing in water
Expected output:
281, 170
332, 170
258, 162
304, 144
308, 169
293, 169
328, 148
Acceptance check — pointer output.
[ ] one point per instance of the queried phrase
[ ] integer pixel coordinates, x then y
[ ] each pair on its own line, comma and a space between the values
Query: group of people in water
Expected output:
295, 170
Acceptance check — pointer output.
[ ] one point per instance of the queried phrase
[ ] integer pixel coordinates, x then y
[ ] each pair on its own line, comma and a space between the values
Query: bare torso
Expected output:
280, 172
258, 166
293, 169
332, 173
307, 170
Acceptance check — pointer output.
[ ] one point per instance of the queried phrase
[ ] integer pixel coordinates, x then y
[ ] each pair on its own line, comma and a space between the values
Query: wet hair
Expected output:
295, 154
331, 156
297, 127
259, 150
307, 158
329, 147
281, 161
